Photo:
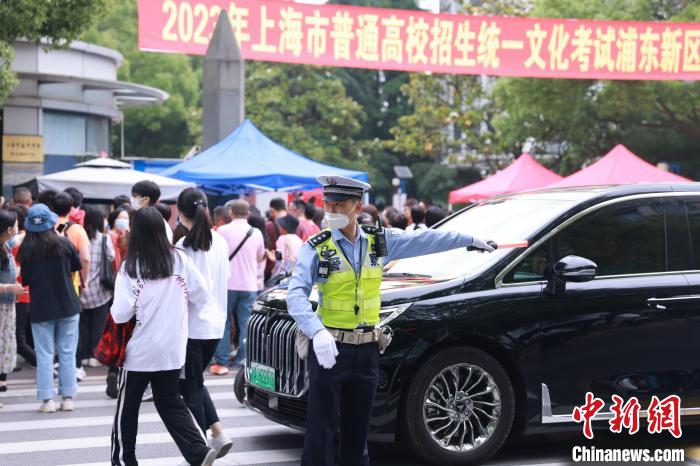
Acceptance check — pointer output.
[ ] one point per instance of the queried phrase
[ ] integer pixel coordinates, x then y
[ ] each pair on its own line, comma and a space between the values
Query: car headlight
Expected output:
389, 313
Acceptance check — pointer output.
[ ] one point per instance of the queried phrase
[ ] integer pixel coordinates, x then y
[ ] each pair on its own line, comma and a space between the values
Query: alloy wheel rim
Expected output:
461, 407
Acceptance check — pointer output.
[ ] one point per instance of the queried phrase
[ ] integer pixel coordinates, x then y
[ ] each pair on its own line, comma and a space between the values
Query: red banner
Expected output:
404, 40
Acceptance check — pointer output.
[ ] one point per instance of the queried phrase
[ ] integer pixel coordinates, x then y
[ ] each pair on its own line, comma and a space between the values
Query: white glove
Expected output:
482, 245
325, 348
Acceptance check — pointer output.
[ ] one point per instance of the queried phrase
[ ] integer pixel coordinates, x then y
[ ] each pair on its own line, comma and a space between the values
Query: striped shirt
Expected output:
95, 295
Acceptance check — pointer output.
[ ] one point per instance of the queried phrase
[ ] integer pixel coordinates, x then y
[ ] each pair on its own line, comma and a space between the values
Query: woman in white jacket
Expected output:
209, 253
156, 283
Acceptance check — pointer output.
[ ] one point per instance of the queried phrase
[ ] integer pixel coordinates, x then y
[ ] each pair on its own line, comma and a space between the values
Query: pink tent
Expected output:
524, 173
619, 166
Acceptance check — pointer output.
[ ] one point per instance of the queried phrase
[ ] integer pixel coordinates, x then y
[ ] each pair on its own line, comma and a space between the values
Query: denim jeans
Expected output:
64, 332
239, 304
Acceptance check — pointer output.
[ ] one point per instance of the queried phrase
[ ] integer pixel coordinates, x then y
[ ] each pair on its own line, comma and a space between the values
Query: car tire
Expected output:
239, 385
423, 426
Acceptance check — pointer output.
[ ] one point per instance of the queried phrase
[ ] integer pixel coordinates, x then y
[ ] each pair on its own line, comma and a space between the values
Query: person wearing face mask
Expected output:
343, 361
9, 289
145, 194
118, 223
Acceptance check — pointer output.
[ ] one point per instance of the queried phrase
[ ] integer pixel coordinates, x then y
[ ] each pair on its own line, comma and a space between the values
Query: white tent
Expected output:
105, 178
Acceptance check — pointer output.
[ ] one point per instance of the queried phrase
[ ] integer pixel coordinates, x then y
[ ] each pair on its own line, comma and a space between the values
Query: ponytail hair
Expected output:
192, 204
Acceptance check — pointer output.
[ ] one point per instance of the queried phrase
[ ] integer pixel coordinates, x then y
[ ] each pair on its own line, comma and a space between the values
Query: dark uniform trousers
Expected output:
341, 397
192, 388
171, 409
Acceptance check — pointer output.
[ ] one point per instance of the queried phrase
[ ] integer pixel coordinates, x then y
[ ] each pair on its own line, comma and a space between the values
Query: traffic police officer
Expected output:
344, 364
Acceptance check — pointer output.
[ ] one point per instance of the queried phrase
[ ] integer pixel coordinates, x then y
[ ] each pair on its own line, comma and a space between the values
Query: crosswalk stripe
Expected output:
28, 381
101, 403
90, 388
142, 439
48, 423
232, 459
101, 379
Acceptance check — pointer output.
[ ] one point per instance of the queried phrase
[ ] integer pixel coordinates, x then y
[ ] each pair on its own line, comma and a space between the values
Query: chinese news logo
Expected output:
662, 415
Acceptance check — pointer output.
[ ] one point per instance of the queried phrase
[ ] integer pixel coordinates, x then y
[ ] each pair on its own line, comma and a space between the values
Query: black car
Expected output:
596, 289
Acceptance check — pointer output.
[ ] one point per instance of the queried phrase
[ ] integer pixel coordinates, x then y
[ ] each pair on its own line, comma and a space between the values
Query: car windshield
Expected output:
508, 220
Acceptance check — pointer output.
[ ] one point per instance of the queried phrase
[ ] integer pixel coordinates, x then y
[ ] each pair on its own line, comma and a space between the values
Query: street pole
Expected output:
122, 136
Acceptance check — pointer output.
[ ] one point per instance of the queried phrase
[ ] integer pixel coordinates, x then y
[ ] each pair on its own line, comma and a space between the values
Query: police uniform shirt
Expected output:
400, 244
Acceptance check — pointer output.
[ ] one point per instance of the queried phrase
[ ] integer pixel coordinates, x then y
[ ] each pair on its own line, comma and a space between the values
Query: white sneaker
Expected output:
84, 362
208, 460
147, 394
47, 407
67, 404
80, 374
92, 362
221, 444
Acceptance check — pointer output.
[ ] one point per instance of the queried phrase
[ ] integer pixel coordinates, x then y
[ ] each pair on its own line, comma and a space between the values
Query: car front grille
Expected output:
293, 407
271, 343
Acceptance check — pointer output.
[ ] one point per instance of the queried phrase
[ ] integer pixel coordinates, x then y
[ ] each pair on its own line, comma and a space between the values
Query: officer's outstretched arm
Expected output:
402, 244
303, 279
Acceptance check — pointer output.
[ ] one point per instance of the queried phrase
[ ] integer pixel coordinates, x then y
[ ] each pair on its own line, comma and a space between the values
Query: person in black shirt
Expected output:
47, 262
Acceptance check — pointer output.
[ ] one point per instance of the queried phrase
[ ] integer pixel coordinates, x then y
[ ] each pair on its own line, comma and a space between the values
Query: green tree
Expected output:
450, 121
379, 94
450, 117
307, 110
169, 129
59, 21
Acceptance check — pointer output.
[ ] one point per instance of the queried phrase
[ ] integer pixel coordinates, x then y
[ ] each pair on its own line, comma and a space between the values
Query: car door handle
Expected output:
665, 303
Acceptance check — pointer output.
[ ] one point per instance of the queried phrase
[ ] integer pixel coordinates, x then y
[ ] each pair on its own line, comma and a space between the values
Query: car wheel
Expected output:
239, 385
459, 407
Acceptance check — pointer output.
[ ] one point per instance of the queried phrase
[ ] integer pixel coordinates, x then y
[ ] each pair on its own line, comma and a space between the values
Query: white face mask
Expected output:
338, 221
136, 202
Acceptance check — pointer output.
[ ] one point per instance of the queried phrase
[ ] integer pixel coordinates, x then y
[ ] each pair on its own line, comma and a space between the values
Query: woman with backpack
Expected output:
158, 286
209, 252
96, 296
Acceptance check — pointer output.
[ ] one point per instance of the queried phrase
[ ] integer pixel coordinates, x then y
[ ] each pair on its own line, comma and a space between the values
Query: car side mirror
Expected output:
570, 269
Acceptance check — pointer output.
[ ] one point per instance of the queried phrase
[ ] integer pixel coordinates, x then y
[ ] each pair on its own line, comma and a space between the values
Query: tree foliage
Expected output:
59, 21
576, 120
173, 127
306, 109
657, 119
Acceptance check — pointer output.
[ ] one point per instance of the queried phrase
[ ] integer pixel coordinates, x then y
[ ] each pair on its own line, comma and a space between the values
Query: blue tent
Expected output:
246, 159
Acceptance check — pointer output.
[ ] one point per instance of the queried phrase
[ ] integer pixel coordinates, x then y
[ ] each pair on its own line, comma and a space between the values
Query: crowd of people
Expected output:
190, 289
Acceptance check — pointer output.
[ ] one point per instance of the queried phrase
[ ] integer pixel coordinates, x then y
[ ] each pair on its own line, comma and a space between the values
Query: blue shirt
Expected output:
400, 244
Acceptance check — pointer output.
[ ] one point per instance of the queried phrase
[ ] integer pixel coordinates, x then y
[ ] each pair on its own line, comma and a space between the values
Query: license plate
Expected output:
263, 376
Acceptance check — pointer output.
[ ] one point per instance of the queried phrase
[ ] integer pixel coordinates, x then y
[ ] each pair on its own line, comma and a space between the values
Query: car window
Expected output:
506, 220
621, 239
693, 209
679, 245
532, 268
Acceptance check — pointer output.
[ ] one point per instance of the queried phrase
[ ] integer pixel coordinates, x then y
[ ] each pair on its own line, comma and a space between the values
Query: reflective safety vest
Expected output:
349, 299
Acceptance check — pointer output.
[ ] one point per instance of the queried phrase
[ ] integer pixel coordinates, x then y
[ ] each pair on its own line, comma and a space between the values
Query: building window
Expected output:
74, 134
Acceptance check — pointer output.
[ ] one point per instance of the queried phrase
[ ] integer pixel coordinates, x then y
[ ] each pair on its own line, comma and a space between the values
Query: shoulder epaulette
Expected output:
319, 238
369, 229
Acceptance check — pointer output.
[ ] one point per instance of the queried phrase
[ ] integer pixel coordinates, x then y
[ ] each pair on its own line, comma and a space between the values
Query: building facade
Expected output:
67, 100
